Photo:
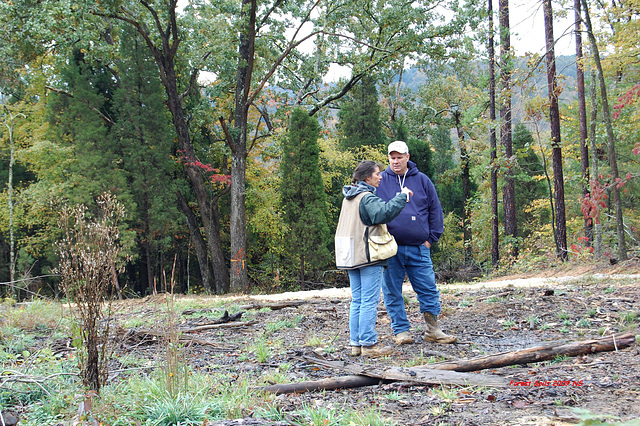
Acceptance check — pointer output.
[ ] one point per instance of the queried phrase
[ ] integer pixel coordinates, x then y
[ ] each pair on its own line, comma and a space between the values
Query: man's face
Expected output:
398, 162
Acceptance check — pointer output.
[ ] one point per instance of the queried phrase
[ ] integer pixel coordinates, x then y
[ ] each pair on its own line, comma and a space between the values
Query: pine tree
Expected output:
303, 198
448, 184
145, 138
420, 153
82, 117
360, 122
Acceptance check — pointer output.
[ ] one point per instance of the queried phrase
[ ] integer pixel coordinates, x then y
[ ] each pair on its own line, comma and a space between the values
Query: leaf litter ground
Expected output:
488, 317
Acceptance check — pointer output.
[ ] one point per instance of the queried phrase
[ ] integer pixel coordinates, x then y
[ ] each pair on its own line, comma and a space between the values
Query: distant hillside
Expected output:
413, 78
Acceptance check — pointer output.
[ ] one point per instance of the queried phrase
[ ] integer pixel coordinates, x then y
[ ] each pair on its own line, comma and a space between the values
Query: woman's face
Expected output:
375, 178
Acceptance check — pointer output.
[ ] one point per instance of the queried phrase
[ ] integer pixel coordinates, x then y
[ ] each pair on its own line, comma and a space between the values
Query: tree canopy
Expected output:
216, 125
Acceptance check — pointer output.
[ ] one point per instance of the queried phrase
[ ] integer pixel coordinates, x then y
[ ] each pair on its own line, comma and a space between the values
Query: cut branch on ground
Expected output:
538, 354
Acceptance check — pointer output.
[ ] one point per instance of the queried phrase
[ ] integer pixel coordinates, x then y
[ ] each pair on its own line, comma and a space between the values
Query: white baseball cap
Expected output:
398, 146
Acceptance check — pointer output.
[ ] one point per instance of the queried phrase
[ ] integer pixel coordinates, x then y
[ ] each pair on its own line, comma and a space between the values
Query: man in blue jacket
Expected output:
417, 227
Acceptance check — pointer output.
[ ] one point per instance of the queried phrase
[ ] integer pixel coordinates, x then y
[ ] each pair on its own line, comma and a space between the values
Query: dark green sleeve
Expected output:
374, 210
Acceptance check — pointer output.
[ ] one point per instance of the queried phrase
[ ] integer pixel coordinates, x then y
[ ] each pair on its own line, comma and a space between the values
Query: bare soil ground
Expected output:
505, 314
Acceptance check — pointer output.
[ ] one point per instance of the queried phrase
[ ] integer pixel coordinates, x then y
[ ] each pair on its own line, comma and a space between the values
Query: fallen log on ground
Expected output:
340, 382
225, 318
275, 306
368, 375
217, 326
609, 343
145, 336
421, 376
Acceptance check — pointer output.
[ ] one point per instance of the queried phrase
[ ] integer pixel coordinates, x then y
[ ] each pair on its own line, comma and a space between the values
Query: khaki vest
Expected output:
352, 249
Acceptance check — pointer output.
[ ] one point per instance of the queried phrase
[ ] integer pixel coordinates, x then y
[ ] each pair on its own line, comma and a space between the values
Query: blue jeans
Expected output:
365, 294
415, 261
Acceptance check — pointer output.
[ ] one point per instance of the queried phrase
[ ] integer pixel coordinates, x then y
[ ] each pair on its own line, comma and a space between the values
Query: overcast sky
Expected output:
527, 29
527, 32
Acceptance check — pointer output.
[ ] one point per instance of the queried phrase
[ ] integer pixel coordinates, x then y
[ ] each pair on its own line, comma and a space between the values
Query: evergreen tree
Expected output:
448, 183
420, 153
443, 149
399, 129
82, 117
145, 137
360, 122
121, 141
302, 193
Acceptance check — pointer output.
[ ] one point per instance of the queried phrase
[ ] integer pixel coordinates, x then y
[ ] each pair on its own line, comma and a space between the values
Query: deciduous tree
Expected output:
506, 68
616, 182
554, 118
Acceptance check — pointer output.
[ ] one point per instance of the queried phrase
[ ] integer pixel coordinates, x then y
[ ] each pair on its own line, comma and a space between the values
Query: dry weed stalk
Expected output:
89, 254
175, 365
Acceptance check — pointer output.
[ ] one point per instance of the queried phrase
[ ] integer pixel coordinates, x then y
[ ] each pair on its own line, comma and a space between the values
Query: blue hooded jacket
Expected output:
421, 220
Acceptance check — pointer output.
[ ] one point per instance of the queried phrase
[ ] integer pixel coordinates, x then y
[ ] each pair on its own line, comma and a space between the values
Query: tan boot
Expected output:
355, 350
434, 334
403, 338
376, 351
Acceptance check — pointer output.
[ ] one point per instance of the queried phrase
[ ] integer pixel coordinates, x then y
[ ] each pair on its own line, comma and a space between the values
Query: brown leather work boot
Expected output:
403, 338
433, 333
376, 351
355, 350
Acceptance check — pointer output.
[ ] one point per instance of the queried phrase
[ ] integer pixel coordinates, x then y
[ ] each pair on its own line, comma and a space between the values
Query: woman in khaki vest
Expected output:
362, 208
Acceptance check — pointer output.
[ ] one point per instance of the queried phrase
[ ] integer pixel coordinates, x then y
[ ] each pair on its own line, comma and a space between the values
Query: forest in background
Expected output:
213, 127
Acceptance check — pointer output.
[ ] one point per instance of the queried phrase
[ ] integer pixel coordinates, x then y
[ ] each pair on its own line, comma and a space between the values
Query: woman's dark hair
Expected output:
364, 170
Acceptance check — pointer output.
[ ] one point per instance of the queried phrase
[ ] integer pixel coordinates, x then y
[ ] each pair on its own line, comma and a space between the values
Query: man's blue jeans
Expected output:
415, 261
365, 294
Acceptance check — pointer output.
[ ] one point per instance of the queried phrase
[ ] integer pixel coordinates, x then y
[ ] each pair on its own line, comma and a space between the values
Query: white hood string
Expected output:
401, 182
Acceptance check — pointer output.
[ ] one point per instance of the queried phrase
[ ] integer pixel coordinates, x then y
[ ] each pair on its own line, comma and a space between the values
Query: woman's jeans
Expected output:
365, 294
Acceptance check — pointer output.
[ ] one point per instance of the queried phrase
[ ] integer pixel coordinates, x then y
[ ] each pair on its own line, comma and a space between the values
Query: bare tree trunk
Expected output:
548, 180
146, 243
239, 277
597, 238
12, 240
147, 251
394, 103
613, 162
495, 233
199, 245
194, 175
506, 66
115, 281
466, 188
340, 382
219, 268
9, 120
582, 116
554, 118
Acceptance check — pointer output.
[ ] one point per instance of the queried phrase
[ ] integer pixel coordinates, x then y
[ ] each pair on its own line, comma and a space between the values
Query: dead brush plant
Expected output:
175, 368
89, 260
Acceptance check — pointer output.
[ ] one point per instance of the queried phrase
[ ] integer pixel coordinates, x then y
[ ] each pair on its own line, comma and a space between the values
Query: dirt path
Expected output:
532, 282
